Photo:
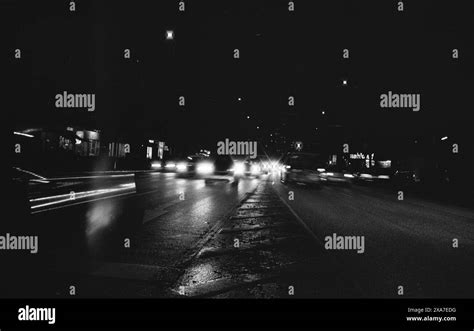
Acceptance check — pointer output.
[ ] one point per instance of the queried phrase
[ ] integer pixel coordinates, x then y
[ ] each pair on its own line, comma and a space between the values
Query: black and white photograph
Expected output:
252, 152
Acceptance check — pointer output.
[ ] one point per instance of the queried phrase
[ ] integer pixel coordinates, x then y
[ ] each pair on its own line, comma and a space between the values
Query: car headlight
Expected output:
348, 176
255, 169
182, 166
205, 168
156, 165
170, 165
239, 168
329, 173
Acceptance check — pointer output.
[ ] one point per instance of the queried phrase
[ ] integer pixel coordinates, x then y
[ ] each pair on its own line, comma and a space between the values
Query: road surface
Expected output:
183, 237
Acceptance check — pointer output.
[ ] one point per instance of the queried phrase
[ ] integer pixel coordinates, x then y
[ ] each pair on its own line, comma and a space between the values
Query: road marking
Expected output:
301, 222
313, 235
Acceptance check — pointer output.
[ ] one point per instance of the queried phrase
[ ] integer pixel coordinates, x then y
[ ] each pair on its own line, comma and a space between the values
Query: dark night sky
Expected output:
282, 54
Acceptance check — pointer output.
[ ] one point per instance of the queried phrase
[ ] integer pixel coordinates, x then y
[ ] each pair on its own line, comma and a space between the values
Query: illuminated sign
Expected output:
161, 147
361, 156
357, 156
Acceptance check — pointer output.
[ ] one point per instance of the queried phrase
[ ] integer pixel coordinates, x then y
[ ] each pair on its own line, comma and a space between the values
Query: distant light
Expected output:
321, 169
323, 112
255, 169
344, 82
182, 166
385, 164
384, 177
258, 127
240, 99
151, 141
239, 168
23, 134
444, 138
248, 117
205, 168
169, 35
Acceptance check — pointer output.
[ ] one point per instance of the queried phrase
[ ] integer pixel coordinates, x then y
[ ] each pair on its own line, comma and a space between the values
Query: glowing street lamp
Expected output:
169, 34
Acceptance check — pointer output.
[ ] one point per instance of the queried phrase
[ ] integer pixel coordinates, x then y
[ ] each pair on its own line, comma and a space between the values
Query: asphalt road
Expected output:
408, 243
130, 235
179, 237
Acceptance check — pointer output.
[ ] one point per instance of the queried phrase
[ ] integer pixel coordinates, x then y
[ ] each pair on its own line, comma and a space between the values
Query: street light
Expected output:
169, 34
444, 138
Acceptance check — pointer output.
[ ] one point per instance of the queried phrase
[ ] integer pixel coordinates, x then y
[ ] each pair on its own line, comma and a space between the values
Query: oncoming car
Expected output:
337, 174
303, 168
247, 168
216, 168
